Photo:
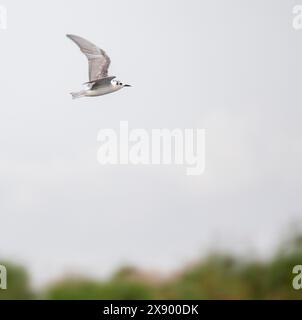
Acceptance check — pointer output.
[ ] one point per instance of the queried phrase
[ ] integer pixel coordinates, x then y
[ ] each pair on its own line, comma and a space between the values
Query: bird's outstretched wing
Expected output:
97, 58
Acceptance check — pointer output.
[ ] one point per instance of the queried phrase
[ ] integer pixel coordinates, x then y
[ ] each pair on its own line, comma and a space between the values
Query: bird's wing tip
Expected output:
70, 36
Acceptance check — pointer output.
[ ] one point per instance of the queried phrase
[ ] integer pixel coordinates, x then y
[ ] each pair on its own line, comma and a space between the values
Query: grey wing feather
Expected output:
101, 82
97, 58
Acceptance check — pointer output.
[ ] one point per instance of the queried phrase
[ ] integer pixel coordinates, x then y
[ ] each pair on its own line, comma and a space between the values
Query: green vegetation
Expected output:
17, 282
219, 276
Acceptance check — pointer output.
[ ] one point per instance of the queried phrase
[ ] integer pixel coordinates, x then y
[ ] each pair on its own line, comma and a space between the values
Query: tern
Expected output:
99, 83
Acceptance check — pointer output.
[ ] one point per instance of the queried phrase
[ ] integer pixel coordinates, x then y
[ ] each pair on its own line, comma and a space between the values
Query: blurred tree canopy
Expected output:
18, 283
217, 276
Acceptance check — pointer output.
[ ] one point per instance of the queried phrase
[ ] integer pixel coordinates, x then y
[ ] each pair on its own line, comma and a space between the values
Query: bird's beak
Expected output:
127, 85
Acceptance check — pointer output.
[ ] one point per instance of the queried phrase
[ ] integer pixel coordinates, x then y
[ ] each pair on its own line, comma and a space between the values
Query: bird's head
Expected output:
120, 84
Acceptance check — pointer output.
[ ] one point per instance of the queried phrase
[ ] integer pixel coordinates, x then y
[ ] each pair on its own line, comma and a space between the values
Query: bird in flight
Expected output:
99, 83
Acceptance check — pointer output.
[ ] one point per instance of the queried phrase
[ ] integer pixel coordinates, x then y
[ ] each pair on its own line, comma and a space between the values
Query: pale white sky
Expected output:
232, 67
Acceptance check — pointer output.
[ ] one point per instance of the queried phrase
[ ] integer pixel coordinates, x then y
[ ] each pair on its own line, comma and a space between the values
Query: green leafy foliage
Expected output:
218, 276
18, 283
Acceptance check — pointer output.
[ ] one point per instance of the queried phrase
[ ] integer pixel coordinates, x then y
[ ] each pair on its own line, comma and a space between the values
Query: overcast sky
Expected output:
232, 67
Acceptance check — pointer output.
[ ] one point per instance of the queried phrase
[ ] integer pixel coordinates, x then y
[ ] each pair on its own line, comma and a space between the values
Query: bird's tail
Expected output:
76, 95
